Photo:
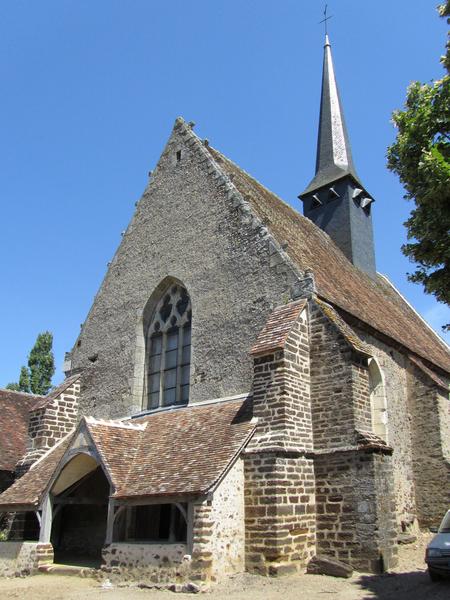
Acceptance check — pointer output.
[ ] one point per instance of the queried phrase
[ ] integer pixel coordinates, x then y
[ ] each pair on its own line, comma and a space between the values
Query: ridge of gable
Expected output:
238, 202
183, 134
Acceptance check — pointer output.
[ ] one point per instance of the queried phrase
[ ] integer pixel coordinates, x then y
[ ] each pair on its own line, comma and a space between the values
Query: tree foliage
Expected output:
420, 156
24, 380
13, 386
37, 377
41, 364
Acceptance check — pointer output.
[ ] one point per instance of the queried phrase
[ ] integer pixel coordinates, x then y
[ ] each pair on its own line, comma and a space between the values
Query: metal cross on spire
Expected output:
325, 19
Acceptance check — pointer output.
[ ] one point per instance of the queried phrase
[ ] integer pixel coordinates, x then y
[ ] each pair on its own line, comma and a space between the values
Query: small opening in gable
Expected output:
178, 155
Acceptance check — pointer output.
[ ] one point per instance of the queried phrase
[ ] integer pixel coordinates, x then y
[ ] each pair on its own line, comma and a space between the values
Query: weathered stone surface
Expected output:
50, 420
184, 228
406, 538
325, 565
190, 588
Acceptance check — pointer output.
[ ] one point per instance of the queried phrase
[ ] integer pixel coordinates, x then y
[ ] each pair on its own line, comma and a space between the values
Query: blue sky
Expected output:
89, 94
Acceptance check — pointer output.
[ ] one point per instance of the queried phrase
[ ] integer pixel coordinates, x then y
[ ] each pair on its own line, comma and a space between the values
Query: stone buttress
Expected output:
353, 467
318, 481
50, 421
279, 495
430, 442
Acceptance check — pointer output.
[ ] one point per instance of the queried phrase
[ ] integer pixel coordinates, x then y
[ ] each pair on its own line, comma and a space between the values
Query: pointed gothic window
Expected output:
377, 400
168, 345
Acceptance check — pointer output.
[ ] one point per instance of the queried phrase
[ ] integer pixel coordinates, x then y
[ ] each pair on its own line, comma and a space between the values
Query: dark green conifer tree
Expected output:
37, 377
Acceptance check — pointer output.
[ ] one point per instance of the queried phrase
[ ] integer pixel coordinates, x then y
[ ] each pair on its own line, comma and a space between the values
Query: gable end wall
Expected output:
189, 226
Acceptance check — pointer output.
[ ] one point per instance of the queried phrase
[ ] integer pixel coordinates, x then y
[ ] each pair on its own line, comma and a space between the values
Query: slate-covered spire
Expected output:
335, 199
334, 154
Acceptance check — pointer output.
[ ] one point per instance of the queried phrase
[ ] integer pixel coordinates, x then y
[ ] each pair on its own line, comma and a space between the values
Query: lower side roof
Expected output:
180, 452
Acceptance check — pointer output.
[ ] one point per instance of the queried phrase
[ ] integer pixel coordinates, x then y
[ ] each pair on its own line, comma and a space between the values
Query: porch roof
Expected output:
26, 492
179, 452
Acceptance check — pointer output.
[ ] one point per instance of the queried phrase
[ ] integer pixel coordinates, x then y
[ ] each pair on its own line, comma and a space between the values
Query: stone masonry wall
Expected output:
361, 395
218, 534
386, 529
190, 225
18, 559
281, 394
332, 373
202, 551
163, 564
355, 510
279, 512
228, 530
429, 407
49, 423
279, 478
393, 366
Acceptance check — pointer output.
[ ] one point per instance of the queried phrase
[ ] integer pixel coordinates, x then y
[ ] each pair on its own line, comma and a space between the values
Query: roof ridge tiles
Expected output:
19, 393
114, 423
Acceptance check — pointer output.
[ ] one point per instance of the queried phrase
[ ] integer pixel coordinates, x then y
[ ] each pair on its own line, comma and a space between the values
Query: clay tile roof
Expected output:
14, 416
117, 447
26, 492
345, 329
178, 452
373, 301
56, 392
276, 330
367, 439
186, 451
420, 365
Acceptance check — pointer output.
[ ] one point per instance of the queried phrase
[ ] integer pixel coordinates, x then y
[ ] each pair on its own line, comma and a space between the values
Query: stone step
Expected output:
58, 569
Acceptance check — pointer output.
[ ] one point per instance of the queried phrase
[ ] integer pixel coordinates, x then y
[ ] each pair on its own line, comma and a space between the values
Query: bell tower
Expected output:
336, 200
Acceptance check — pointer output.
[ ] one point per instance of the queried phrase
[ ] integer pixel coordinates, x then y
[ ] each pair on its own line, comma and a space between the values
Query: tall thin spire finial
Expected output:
325, 19
334, 155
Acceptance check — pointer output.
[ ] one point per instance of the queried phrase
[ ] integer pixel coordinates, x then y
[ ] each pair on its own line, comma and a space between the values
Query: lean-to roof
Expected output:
180, 452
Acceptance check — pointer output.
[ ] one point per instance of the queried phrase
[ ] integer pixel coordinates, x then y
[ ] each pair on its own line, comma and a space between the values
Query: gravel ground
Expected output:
410, 581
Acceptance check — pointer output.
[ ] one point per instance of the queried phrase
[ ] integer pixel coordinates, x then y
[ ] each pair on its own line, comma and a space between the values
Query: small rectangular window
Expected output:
154, 399
184, 397
155, 364
172, 340
171, 359
170, 379
169, 396
153, 523
156, 345
185, 373
154, 382
186, 355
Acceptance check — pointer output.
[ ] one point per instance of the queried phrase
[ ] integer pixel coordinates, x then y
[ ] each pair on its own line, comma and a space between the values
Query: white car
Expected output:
437, 555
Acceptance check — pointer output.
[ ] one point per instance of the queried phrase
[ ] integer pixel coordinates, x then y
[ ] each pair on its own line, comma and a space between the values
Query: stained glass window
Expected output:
169, 349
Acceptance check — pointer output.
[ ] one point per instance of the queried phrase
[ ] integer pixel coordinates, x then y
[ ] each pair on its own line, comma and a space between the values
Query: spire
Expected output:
335, 200
334, 156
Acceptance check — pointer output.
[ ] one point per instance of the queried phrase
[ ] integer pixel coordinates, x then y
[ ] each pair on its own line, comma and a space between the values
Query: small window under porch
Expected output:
151, 523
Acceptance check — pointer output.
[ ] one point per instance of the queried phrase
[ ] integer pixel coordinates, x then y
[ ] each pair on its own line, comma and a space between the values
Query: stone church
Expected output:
246, 391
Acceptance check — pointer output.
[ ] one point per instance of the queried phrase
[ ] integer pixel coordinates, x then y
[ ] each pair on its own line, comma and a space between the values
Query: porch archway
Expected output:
79, 498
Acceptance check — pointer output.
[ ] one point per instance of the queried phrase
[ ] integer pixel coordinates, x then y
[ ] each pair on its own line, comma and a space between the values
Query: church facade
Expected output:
246, 391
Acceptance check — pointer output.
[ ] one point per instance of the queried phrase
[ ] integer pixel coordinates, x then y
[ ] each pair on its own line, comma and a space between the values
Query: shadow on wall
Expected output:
415, 585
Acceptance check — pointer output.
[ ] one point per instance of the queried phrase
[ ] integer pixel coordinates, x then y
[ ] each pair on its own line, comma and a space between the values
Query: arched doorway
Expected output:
79, 498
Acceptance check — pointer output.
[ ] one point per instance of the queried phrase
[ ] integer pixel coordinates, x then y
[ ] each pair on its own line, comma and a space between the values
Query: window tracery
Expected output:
168, 344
